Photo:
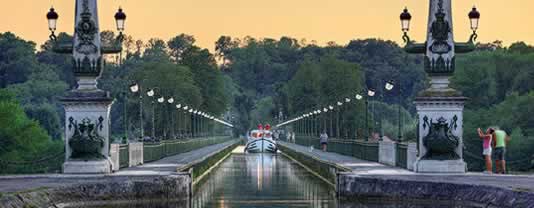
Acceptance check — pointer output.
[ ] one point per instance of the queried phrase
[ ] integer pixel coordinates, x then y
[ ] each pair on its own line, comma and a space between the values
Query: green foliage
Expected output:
499, 85
262, 111
22, 140
17, 59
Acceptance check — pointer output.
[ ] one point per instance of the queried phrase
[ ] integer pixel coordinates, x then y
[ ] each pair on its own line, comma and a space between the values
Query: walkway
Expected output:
358, 166
373, 169
172, 164
165, 166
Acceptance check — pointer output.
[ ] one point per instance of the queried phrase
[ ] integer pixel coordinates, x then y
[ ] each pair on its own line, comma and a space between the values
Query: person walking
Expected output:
486, 147
500, 142
324, 140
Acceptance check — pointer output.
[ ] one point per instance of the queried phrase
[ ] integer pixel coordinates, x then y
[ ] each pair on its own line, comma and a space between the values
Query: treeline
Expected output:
296, 77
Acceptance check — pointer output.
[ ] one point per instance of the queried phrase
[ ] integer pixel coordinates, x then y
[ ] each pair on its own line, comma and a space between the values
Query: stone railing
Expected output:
137, 153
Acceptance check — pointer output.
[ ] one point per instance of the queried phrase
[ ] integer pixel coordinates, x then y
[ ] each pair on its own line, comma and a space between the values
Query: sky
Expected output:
319, 20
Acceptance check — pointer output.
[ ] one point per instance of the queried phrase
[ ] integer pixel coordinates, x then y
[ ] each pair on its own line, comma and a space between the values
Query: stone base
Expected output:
437, 166
87, 167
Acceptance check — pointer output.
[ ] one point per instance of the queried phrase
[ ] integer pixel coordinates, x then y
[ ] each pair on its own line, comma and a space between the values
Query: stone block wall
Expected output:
411, 156
387, 152
114, 155
136, 154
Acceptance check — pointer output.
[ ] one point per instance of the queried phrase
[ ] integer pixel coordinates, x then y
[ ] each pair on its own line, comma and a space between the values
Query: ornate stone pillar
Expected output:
87, 108
440, 108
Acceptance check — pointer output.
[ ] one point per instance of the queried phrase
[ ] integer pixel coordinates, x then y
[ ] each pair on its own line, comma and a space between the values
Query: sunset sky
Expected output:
320, 20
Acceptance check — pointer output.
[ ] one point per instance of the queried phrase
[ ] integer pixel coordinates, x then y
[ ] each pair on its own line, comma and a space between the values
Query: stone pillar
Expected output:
87, 108
411, 155
387, 152
440, 108
440, 133
114, 154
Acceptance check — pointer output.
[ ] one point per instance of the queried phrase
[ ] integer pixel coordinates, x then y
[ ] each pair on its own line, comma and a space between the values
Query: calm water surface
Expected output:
267, 180
262, 180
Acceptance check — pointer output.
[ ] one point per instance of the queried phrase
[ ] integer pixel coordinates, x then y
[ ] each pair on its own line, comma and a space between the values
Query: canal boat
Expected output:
261, 140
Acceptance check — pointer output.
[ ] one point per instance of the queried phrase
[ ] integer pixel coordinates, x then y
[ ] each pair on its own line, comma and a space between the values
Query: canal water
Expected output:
262, 180
268, 180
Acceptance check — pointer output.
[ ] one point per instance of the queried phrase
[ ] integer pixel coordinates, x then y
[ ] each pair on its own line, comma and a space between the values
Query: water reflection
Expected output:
262, 180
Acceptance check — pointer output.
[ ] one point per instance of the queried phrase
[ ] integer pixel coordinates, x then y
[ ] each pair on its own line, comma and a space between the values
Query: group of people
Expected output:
494, 141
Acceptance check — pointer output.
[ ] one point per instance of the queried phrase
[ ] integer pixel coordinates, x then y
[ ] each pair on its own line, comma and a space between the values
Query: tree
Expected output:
17, 59
21, 139
179, 45
62, 62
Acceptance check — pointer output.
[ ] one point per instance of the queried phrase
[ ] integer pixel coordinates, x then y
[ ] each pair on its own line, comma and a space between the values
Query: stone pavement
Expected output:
173, 163
358, 166
165, 166
373, 169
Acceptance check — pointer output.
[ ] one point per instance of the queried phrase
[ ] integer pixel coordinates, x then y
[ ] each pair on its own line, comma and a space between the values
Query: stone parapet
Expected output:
387, 153
135, 154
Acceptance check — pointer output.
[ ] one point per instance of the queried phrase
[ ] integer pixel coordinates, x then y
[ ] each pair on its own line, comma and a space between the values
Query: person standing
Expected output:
324, 140
500, 142
486, 146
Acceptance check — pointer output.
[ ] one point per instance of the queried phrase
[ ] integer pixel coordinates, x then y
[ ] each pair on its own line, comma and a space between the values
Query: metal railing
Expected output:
157, 150
124, 155
359, 149
401, 157
48, 164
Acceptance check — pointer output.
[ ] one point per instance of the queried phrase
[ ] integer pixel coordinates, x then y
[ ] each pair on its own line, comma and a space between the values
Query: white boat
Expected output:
261, 141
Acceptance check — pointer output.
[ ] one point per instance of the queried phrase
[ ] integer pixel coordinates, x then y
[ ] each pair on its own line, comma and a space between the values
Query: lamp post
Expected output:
135, 88
358, 97
331, 108
389, 87
191, 130
370, 93
161, 100
125, 117
186, 129
151, 94
439, 102
178, 120
339, 104
171, 114
325, 117
347, 101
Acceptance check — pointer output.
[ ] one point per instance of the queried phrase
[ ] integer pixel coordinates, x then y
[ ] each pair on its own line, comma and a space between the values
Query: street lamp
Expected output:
389, 87
358, 97
474, 17
52, 17
161, 100
120, 20
405, 17
151, 93
135, 88
370, 93
170, 112
339, 104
